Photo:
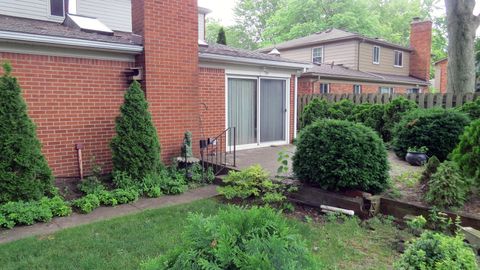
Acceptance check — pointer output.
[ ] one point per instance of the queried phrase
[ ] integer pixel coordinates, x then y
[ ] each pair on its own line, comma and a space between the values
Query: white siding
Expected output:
201, 26
32, 9
116, 14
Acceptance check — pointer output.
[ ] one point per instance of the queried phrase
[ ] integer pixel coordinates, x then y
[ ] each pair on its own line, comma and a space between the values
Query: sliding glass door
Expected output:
257, 107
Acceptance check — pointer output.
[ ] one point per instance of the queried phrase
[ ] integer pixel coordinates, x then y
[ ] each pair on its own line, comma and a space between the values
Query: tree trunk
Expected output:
461, 25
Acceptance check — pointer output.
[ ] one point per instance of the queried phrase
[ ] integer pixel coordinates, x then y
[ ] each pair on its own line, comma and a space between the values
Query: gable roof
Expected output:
229, 54
344, 73
329, 36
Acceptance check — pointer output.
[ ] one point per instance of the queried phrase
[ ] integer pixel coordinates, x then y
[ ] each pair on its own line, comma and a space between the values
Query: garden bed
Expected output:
406, 187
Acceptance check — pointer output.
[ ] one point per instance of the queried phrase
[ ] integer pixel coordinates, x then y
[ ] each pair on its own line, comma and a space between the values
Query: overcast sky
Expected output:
223, 9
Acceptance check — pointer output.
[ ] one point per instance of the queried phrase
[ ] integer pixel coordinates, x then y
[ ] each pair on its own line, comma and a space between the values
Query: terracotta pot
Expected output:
416, 158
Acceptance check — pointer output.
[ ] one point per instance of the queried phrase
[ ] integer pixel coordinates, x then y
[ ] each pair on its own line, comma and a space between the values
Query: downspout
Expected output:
295, 104
79, 147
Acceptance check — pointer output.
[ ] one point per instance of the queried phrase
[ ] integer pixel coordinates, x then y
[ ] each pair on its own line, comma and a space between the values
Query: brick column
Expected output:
421, 43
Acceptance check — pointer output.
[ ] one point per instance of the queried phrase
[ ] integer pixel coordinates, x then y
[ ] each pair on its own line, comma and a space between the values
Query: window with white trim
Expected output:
324, 88
357, 89
398, 59
414, 90
376, 54
57, 8
317, 55
385, 90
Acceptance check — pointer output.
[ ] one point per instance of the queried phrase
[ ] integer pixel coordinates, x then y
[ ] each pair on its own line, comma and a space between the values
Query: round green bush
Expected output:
340, 155
437, 129
238, 238
394, 111
317, 108
437, 251
371, 115
472, 108
341, 110
467, 152
447, 187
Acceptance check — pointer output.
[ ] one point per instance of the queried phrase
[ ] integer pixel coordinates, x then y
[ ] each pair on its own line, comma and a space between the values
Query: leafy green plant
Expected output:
394, 111
371, 115
91, 185
135, 148
283, 157
316, 109
125, 195
437, 251
173, 182
27, 213
150, 185
87, 203
253, 182
106, 198
417, 224
415, 149
437, 129
472, 108
24, 172
439, 221
430, 168
339, 155
341, 110
447, 187
123, 180
467, 152
199, 175
256, 238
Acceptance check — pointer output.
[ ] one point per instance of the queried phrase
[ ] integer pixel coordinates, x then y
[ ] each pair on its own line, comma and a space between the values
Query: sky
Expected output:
223, 10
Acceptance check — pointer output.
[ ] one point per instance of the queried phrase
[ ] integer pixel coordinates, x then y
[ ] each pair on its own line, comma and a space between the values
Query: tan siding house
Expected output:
386, 62
31, 9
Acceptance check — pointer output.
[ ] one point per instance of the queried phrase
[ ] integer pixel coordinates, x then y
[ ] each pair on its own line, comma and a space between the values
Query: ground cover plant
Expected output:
24, 172
437, 129
339, 155
126, 242
256, 238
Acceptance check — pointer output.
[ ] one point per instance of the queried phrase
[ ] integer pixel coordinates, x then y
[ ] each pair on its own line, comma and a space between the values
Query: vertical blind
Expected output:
242, 109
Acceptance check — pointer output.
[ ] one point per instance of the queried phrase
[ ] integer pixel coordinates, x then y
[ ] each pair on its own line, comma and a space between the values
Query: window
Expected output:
398, 59
317, 55
357, 89
324, 88
385, 90
57, 8
376, 55
414, 91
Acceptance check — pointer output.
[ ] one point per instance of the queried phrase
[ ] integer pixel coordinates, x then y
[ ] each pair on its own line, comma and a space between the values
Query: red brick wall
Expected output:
443, 76
71, 101
211, 83
170, 31
421, 42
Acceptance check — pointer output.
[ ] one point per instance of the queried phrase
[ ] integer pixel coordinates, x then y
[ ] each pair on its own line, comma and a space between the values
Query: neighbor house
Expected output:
440, 80
348, 63
75, 59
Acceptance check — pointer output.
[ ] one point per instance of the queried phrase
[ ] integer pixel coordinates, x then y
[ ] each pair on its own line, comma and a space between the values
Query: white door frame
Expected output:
287, 106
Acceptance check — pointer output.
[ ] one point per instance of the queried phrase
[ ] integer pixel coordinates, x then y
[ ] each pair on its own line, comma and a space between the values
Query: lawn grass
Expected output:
122, 243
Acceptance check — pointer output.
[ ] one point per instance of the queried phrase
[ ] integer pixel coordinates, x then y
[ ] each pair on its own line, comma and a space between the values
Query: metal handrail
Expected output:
219, 157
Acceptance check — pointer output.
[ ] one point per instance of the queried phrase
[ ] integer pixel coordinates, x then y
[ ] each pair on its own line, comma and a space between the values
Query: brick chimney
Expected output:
170, 61
421, 43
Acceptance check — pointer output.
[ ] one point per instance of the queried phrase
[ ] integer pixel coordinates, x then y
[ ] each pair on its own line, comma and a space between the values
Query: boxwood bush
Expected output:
339, 155
472, 108
467, 152
437, 129
317, 108
341, 110
437, 251
237, 238
394, 111
371, 115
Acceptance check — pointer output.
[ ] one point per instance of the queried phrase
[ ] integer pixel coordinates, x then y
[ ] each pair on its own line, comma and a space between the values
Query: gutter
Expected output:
252, 61
353, 78
70, 42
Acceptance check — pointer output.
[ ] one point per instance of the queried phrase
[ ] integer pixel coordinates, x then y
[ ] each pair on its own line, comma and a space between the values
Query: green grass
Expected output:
124, 242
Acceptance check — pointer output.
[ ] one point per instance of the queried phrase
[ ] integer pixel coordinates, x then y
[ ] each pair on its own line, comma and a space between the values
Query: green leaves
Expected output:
467, 152
24, 172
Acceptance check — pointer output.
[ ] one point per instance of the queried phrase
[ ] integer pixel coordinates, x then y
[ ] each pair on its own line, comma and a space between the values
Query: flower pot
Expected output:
416, 159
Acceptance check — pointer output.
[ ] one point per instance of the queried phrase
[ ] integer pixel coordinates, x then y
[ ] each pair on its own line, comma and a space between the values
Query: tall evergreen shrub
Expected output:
24, 172
394, 111
135, 148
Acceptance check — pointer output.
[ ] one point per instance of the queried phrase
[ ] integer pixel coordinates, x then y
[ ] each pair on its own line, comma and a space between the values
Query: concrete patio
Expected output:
265, 157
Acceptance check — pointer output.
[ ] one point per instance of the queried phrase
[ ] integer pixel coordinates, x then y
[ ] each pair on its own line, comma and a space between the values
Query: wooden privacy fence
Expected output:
427, 100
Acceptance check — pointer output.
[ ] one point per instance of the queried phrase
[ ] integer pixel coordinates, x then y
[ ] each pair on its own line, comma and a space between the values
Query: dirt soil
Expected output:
407, 188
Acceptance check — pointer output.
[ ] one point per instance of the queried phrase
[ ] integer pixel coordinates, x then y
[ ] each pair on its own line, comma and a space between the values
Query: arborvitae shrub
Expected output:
341, 110
472, 108
371, 115
24, 172
339, 155
467, 152
135, 148
447, 187
437, 251
238, 238
394, 111
437, 129
317, 108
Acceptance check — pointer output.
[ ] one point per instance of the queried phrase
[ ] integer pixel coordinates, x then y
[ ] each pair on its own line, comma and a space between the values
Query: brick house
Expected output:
440, 81
75, 59
348, 63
